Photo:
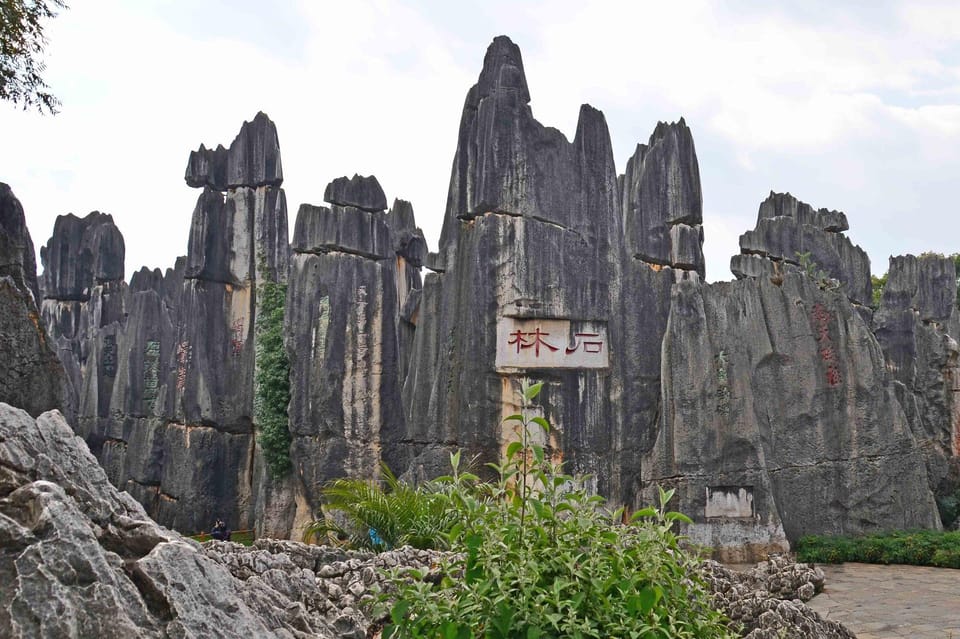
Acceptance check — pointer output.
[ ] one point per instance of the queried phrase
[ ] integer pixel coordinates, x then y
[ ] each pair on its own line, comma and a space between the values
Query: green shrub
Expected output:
918, 548
543, 558
272, 379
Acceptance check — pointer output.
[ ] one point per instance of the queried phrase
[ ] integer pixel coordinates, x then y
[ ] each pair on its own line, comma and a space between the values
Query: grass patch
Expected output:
245, 537
913, 547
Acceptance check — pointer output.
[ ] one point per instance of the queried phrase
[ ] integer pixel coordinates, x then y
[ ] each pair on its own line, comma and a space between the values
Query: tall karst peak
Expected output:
503, 70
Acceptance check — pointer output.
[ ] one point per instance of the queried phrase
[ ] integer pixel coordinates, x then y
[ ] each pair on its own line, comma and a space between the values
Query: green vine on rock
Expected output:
272, 379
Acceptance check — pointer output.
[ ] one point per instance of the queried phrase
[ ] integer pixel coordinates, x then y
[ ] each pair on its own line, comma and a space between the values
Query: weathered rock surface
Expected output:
787, 230
779, 419
532, 231
364, 193
551, 267
31, 377
253, 159
80, 558
917, 325
342, 320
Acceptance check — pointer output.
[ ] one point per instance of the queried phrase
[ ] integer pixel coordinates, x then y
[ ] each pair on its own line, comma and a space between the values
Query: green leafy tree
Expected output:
878, 284
21, 47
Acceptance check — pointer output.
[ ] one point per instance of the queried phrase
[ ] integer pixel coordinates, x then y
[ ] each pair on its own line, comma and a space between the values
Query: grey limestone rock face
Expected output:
780, 419
253, 160
917, 326
787, 230
534, 232
361, 192
340, 319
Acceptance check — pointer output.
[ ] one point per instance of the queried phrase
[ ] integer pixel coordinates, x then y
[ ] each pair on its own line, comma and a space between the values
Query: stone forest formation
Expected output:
785, 402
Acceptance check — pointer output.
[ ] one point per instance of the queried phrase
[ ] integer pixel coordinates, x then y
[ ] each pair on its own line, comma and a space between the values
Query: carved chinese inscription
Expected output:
551, 343
821, 329
151, 375
184, 356
723, 385
109, 357
236, 337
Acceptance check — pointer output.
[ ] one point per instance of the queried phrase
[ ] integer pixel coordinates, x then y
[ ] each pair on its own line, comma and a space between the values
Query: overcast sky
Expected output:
855, 108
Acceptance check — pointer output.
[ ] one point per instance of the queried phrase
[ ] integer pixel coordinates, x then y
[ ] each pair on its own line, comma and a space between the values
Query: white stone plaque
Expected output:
551, 343
730, 502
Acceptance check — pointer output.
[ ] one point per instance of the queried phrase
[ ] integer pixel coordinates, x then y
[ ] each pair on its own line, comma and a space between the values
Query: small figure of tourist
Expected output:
220, 531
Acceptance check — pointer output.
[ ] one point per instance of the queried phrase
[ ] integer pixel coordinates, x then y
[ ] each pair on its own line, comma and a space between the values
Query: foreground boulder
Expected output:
80, 558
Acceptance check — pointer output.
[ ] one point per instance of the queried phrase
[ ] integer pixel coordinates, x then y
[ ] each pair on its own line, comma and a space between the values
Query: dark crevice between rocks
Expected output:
156, 602
211, 280
327, 249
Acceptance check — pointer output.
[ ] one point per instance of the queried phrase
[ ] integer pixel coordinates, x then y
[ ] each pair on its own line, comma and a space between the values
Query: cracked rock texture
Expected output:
349, 281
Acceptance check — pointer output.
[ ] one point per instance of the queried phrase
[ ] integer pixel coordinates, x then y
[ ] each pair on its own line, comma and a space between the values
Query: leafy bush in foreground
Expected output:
543, 558
918, 548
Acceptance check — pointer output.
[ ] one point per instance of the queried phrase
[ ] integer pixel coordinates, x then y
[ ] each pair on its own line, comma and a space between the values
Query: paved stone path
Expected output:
887, 602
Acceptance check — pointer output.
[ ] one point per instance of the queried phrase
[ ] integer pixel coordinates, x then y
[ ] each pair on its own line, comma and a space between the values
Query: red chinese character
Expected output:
594, 346
530, 339
519, 340
833, 376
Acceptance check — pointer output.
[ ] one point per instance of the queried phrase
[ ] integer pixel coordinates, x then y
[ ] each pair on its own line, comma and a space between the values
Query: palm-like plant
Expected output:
386, 513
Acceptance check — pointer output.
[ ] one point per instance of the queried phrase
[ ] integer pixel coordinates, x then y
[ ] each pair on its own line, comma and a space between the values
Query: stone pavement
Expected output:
887, 602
